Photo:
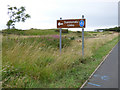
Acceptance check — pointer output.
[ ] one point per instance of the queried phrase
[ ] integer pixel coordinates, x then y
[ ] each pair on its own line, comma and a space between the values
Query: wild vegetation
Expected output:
0, 61
115, 29
32, 32
35, 61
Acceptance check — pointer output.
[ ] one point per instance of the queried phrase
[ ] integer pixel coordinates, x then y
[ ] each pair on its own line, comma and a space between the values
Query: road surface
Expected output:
107, 74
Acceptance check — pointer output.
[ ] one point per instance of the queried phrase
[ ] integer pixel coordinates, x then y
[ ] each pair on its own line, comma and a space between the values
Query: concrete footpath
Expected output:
106, 75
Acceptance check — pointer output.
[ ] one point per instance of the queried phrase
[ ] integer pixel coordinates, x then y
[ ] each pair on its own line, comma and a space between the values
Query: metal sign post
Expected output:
83, 38
60, 38
72, 23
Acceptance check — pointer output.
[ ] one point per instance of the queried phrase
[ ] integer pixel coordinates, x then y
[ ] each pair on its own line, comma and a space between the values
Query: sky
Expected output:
45, 13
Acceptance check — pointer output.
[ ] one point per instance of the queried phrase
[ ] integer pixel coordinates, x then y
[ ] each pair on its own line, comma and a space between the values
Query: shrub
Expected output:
72, 38
78, 31
63, 30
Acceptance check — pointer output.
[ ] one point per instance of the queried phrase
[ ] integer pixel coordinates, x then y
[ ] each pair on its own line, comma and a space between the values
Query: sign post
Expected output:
82, 36
72, 23
60, 38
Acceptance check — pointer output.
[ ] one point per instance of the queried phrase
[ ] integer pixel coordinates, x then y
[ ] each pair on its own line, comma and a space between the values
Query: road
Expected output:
106, 75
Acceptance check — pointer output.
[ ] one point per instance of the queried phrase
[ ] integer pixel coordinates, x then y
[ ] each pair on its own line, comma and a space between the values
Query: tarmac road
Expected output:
107, 74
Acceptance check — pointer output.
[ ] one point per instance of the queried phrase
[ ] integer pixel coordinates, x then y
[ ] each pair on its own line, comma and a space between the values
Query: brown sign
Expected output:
71, 23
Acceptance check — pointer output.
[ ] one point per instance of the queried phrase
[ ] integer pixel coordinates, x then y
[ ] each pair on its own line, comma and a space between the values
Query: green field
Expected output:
31, 59
32, 32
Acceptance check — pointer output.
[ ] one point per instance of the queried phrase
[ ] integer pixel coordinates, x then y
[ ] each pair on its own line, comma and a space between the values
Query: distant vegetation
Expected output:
34, 31
115, 29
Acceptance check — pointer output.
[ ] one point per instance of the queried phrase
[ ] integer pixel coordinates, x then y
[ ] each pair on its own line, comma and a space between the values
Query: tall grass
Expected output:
0, 61
26, 61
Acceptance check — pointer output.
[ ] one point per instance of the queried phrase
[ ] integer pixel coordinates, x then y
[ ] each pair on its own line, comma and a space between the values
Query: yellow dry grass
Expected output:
36, 59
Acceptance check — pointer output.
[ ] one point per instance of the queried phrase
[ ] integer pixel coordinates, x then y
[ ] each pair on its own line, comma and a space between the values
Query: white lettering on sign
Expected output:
70, 21
59, 24
71, 25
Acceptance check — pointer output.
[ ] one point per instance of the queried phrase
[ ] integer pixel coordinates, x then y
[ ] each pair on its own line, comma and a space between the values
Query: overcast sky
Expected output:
45, 13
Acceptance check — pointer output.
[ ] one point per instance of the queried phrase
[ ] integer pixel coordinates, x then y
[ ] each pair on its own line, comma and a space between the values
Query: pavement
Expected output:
106, 76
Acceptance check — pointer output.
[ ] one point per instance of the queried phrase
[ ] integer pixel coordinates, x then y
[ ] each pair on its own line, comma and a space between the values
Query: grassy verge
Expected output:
76, 76
0, 61
26, 64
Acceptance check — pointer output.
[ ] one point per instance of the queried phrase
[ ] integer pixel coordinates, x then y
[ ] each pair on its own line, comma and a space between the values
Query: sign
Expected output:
81, 23
71, 23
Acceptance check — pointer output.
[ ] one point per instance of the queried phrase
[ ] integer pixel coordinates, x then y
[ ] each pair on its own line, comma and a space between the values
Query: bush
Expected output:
63, 30
78, 31
80, 36
72, 38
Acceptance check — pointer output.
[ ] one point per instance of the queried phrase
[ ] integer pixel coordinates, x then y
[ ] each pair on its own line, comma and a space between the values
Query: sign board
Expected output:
71, 23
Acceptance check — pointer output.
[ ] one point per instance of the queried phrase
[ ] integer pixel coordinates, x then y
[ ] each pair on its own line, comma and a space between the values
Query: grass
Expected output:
0, 61
33, 32
27, 63
81, 71
42, 32
42, 42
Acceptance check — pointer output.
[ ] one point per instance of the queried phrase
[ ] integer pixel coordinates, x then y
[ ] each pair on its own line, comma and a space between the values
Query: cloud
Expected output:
44, 13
